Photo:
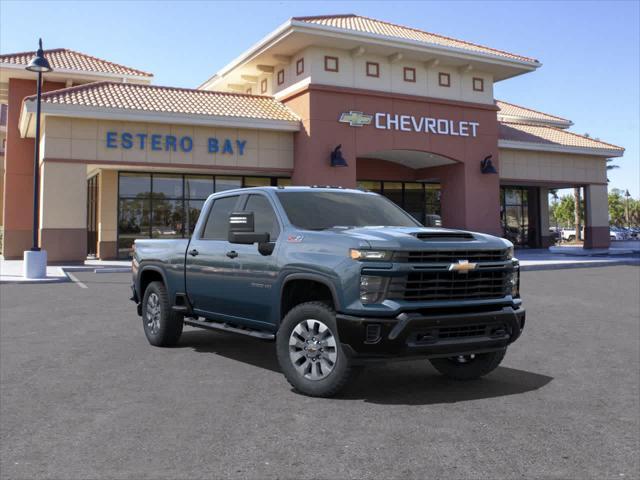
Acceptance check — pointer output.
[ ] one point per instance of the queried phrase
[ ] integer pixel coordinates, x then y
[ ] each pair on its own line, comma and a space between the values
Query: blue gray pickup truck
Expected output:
338, 278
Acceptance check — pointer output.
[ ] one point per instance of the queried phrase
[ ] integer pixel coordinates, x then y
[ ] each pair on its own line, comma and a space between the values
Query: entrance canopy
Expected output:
410, 158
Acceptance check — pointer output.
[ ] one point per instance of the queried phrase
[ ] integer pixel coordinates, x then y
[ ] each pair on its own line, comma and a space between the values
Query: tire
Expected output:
571, 238
323, 369
161, 324
471, 368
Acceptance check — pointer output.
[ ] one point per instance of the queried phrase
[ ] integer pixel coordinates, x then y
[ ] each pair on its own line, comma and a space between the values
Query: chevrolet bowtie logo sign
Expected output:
463, 266
356, 119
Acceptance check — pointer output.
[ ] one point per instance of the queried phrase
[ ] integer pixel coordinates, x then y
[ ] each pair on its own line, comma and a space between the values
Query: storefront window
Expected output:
168, 205
515, 213
417, 198
257, 182
228, 183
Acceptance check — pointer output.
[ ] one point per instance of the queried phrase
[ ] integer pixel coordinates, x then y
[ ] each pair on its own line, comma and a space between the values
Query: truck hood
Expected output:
416, 238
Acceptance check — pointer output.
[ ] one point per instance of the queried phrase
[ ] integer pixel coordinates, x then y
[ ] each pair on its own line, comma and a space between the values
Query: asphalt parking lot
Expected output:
84, 396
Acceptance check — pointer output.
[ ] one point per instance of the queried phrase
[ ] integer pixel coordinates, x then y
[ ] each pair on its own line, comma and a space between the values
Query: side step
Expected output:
227, 328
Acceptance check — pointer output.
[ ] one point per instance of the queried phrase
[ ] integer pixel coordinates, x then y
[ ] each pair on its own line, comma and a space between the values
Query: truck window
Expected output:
217, 226
264, 216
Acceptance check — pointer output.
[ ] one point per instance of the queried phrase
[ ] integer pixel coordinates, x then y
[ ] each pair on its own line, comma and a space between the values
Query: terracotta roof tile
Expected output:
379, 27
153, 98
517, 132
513, 110
65, 59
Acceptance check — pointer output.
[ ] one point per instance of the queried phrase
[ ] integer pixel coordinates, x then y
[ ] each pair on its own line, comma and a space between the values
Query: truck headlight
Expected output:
510, 253
380, 255
372, 288
514, 283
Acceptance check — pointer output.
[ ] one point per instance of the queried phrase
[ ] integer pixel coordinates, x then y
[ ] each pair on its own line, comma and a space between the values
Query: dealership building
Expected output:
338, 100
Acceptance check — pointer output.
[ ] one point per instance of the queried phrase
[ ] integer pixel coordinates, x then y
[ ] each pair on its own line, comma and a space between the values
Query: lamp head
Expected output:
39, 62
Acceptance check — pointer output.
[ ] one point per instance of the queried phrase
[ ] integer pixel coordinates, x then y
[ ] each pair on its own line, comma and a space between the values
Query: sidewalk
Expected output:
11, 270
544, 259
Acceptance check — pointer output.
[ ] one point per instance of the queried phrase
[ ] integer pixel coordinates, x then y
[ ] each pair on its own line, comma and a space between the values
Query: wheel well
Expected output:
300, 291
146, 277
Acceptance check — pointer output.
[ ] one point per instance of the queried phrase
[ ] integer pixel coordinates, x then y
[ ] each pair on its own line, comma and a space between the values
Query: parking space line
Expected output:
75, 280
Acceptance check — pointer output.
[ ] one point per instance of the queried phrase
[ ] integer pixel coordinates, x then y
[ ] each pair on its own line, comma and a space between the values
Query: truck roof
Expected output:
313, 188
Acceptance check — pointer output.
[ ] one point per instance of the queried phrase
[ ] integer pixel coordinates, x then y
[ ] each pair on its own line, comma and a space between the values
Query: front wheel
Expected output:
161, 324
468, 367
309, 351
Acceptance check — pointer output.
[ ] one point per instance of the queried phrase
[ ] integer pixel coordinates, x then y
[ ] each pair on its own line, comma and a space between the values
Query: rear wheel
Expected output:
309, 351
161, 324
468, 367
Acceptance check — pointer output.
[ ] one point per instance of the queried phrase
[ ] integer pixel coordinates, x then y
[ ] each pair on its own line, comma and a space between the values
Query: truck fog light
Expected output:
372, 288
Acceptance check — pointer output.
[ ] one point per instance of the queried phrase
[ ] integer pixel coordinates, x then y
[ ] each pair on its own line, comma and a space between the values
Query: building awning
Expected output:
63, 59
149, 103
512, 113
545, 138
358, 23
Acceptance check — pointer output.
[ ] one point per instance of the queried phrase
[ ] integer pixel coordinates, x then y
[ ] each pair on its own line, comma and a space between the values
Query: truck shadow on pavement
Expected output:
410, 382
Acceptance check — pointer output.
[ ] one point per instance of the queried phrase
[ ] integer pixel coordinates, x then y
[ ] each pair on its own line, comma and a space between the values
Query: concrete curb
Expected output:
112, 270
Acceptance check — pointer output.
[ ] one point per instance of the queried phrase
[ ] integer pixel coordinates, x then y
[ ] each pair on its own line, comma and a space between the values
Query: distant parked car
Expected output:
617, 234
569, 234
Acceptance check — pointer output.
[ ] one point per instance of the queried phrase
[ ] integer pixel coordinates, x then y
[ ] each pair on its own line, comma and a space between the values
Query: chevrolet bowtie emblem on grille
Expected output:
463, 266
356, 119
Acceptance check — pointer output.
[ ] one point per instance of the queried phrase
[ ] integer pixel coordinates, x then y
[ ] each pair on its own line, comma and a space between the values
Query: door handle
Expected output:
232, 254
194, 253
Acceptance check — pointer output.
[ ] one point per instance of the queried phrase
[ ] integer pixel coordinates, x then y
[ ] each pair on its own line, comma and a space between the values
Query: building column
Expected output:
63, 211
546, 239
469, 200
108, 215
596, 217
18, 173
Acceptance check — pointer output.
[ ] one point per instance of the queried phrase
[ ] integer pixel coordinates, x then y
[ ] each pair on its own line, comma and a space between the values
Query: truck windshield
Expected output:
323, 210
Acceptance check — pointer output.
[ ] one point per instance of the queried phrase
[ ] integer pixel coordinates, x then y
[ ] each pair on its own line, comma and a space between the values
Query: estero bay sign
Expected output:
411, 123
171, 143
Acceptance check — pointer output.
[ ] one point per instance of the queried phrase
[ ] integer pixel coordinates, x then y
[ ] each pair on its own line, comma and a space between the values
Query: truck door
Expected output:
207, 266
254, 295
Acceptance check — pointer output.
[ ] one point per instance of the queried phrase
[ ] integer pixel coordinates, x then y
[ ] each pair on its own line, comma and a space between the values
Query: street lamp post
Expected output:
35, 260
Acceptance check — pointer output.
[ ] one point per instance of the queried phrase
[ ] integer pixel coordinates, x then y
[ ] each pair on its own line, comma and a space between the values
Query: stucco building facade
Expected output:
413, 115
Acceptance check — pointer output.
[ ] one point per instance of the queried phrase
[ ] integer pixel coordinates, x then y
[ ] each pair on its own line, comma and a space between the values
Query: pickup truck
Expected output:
338, 278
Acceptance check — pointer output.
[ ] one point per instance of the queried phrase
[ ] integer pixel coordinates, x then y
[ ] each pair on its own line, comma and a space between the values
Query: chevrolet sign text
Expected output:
438, 126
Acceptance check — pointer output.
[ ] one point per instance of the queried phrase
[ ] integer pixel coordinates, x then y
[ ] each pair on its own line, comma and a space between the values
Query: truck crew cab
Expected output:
337, 278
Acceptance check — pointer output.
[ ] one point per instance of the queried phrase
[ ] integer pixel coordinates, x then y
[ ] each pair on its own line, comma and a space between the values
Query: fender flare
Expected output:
315, 277
153, 268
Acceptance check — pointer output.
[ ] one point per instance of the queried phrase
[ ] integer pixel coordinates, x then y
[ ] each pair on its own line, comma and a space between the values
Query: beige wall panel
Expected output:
63, 196
109, 154
57, 147
549, 166
57, 127
134, 155
85, 129
271, 158
598, 214
82, 149
268, 140
249, 159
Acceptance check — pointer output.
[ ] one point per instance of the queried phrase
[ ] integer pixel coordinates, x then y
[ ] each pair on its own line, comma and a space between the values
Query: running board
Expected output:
227, 328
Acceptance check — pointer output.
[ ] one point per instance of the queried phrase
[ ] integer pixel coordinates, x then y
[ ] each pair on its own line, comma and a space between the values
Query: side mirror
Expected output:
241, 229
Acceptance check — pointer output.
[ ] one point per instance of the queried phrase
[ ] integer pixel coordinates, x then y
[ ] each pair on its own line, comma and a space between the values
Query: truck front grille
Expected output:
449, 256
445, 285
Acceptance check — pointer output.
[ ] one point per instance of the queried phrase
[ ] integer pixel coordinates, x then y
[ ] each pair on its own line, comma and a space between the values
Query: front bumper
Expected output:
430, 335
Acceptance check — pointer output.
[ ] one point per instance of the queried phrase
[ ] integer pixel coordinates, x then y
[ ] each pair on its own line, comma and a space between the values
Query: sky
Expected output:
590, 51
